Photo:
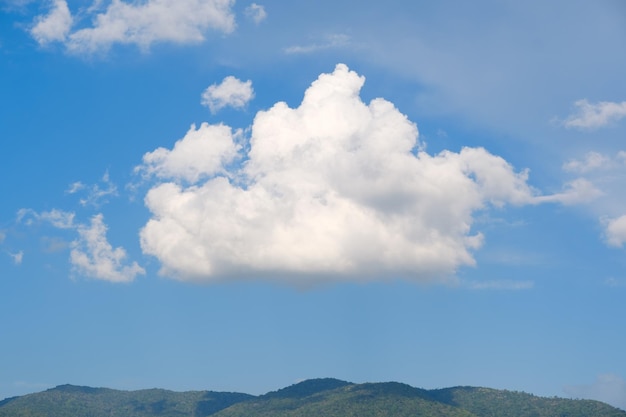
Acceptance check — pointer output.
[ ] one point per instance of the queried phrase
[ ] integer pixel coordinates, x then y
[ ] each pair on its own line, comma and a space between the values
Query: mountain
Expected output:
317, 397
74, 401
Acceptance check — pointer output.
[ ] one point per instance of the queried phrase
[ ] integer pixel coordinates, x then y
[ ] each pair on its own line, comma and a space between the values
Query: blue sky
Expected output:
210, 194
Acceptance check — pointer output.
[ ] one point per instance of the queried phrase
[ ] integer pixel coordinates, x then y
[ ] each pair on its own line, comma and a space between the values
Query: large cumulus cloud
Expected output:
333, 189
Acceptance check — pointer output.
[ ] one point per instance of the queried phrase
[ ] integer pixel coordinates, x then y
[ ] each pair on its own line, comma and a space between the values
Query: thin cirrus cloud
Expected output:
138, 23
508, 285
94, 194
595, 115
332, 189
336, 40
231, 92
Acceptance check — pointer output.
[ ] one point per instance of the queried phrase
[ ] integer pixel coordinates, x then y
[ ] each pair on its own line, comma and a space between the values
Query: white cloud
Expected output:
140, 23
592, 161
332, 189
577, 191
55, 26
615, 231
202, 152
17, 257
96, 194
337, 40
93, 256
608, 172
607, 388
58, 218
75, 187
592, 116
230, 92
256, 12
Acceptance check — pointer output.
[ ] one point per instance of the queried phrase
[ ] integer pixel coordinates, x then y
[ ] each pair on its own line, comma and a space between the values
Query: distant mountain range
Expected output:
313, 398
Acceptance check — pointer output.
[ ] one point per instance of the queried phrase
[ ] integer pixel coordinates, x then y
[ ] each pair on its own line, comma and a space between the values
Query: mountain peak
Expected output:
77, 389
308, 387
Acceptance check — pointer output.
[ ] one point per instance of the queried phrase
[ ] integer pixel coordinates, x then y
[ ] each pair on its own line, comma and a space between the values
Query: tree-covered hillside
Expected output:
69, 400
319, 397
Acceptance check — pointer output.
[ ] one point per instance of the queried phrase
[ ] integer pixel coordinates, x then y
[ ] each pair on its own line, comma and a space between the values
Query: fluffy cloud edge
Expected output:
55, 26
91, 254
256, 12
231, 92
334, 189
595, 115
615, 231
141, 24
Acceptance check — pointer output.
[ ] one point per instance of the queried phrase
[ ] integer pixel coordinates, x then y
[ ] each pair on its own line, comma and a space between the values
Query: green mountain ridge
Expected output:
326, 397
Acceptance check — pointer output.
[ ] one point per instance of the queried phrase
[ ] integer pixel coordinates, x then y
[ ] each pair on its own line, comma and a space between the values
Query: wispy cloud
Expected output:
93, 256
55, 26
591, 162
615, 231
58, 218
595, 115
95, 194
577, 191
14, 5
231, 92
337, 40
256, 12
596, 161
53, 244
505, 285
136, 23
17, 257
